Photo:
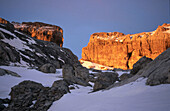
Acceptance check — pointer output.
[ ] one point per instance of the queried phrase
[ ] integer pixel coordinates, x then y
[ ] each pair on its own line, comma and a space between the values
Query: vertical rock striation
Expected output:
118, 50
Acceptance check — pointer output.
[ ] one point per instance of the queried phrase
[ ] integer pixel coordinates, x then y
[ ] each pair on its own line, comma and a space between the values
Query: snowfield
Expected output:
8, 81
135, 96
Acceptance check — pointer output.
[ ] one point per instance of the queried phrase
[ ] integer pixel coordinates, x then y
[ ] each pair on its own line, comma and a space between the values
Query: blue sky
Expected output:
81, 18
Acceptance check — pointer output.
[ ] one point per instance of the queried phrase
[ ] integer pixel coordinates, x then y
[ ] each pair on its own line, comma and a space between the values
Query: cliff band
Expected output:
117, 50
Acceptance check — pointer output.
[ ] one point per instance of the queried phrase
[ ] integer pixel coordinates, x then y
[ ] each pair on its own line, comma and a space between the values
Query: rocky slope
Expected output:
17, 48
41, 31
118, 50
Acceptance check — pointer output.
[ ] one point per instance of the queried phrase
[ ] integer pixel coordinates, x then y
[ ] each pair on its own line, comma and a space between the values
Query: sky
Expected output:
81, 18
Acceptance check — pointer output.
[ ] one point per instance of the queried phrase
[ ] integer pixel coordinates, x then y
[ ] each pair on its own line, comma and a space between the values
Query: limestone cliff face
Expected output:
118, 50
41, 31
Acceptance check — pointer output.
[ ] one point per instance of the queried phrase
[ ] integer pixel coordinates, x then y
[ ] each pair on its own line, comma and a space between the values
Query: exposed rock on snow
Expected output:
104, 80
48, 68
158, 71
140, 64
4, 72
25, 93
62, 85
78, 75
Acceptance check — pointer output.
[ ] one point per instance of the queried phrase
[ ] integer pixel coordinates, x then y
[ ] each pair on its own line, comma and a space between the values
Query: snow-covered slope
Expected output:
7, 81
135, 96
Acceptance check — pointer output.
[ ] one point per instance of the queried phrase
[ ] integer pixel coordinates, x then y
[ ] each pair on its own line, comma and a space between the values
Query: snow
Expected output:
21, 63
89, 64
17, 43
134, 96
7, 32
7, 81
59, 58
19, 32
61, 50
52, 56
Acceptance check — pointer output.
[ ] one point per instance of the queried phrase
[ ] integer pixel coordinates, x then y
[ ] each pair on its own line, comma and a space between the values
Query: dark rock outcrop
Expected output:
118, 50
48, 68
4, 72
32, 96
2, 102
78, 75
140, 64
104, 80
42, 31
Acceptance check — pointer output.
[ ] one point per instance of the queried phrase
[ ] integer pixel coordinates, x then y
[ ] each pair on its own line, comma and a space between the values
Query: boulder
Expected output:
104, 80
32, 96
158, 71
48, 68
68, 72
141, 63
82, 72
79, 75
62, 85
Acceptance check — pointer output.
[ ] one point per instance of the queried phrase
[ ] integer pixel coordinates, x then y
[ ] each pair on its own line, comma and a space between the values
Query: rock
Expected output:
79, 75
125, 76
68, 72
92, 78
32, 96
36, 52
62, 85
104, 80
2, 102
118, 50
141, 63
48, 68
4, 72
158, 71
2, 107
42, 31
82, 72
7, 24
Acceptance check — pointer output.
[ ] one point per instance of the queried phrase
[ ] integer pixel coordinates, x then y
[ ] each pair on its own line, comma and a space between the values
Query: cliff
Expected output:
41, 31
118, 50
